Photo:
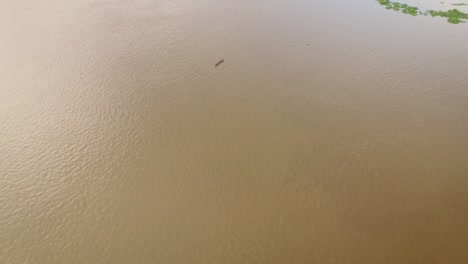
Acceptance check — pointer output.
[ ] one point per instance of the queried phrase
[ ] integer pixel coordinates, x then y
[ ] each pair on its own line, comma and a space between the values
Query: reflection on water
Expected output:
454, 16
330, 132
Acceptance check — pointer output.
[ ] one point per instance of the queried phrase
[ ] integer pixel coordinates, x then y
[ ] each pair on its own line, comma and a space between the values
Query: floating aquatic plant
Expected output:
453, 16
404, 8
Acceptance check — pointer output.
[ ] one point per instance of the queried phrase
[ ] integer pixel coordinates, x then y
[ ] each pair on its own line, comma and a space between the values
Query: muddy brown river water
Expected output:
328, 132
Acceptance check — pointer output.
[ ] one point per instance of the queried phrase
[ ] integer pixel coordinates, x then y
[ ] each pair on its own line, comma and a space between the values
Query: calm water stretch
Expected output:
212, 132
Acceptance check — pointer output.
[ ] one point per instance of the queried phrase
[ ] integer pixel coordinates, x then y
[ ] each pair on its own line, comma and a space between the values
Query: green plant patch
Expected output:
453, 16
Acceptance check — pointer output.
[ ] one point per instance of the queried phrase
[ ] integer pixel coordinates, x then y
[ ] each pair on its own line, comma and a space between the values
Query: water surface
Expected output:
333, 132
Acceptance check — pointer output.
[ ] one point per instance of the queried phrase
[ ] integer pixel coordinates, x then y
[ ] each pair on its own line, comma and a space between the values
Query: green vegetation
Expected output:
453, 16
404, 8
